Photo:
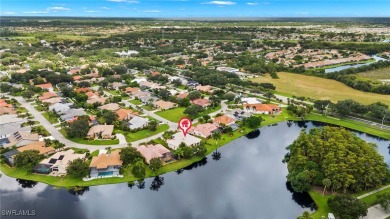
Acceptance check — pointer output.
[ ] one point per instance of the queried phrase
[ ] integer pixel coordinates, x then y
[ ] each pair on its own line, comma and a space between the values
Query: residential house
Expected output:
155, 151
72, 113
83, 90
47, 95
262, 108
106, 165
164, 105
19, 139
53, 100
206, 88
6, 110
74, 70
178, 138
131, 90
204, 130
9, 157
125, 114
3, 103
224, 119
39, 146
11, 123
150, 85
100, 131
59, 161
138, 122
60, 107
117, 85
110, 107
201, 102
47, 86
182, 95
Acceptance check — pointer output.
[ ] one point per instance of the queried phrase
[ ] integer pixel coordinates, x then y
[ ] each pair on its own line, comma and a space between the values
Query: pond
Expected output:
246, 179
339, 68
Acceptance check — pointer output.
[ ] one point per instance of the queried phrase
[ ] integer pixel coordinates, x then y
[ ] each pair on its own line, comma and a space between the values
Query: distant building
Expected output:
155, 151
100, 131
106, 165
178, 138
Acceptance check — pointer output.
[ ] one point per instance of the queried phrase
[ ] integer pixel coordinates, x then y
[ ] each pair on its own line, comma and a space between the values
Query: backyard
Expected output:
90, 142
145, 133
175, 114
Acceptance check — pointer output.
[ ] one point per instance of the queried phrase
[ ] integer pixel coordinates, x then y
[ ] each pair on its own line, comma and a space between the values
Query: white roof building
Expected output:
178, 138
59, 161
250, 100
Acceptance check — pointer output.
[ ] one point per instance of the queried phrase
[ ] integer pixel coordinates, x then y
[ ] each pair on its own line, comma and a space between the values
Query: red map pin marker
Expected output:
185, 125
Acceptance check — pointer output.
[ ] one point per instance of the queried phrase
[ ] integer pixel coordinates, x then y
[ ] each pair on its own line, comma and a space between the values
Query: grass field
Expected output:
175, 114
90, 142
130, 136
320, 88
135, 102
51, 119
377, 74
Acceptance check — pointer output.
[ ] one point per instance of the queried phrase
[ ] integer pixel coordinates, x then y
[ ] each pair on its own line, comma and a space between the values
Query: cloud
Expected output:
252, 3
7, 12
105, 8
220, 3
151, 11
36, 12
91, 11
58, 9
124, 1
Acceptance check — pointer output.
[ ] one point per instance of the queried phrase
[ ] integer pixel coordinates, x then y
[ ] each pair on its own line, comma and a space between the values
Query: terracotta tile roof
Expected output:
39, 146
125, 114
182, 95
105, 160
83, 90
47, 95
164, 104
205, 88
131, 89
77, 77
204, 130
110, 106
152, 151
7, 110
105, 130
224, 119
3, 103
45, 86
201, 102
262, 107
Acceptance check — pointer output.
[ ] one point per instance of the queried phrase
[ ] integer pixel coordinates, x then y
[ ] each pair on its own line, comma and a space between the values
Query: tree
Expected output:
229, 96
216, 136
164, 94
176, 82
109, 117
184, 102
335, 154
193, 111
27, 159
194, 95
347, 207
321, 105
327, 183
152, 125
253, 121
269, 94
384, 200
139, 169
27, 94
78, 128
129, 155
77, 168
155, 164
305, 215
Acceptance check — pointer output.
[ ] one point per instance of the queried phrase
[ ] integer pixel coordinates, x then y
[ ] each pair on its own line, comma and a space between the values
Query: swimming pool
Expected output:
109, 173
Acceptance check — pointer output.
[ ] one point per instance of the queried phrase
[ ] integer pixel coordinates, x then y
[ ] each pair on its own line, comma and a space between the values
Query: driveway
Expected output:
376, 212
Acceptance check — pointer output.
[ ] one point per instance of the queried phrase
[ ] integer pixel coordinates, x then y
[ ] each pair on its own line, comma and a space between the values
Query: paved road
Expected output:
57, 135
376, 212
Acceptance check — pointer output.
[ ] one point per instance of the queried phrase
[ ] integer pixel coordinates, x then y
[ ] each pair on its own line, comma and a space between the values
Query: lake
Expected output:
247, 181
339, 68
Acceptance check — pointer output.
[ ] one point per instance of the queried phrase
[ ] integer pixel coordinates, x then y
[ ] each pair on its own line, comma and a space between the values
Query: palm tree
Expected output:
108, 149
30, 122
216, 137
47, 142
327, 183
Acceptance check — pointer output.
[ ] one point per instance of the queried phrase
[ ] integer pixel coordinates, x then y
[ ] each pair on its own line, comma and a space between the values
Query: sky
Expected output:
196, 8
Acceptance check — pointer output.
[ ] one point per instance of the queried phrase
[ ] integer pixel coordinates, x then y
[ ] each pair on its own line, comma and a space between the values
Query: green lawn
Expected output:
371, 199
145, 133
90, 142
135, 102
51, 119
147, 107
175, 114
322, 204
